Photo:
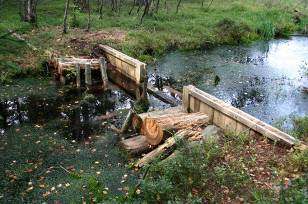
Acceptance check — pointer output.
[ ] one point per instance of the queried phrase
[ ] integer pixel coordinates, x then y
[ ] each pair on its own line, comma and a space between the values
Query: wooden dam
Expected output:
159, 130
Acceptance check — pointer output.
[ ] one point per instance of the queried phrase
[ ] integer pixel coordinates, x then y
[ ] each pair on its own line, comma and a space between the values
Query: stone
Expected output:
211, 133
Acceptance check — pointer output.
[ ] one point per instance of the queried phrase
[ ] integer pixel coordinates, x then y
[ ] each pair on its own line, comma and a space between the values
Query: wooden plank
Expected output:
78, 77
196, 105
88, 77
244, 118
162, 96
103, 65
229, 124
217, 119
204, 108
185, 98
148, 158
119, 60
191, 103
241, 129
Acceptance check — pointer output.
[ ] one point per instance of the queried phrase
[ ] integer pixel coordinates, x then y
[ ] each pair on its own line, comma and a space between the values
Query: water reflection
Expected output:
73, 112
264, 79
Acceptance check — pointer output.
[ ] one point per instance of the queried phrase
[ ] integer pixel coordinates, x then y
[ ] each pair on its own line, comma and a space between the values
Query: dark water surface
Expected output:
264, 79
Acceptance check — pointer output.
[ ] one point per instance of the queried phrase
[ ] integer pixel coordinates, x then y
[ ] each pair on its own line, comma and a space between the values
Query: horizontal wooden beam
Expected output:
235, 114
125, 64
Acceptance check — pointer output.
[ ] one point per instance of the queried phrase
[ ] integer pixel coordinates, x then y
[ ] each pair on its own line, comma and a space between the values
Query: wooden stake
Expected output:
62, 79
144, 94
78, 80
160, 149
88, 75
127, 121
103, 67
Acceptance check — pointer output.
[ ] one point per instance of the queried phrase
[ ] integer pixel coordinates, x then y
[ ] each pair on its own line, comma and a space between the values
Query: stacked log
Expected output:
180, 135
168, 124
156, 129
135, 145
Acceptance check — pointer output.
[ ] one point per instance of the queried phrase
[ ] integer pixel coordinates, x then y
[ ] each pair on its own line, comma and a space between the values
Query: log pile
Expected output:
157, 128
163, 127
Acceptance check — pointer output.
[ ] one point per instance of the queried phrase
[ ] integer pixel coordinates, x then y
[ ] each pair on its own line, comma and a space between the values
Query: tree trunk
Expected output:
89, 17
137, 120
29, 14
101, 9
146, 9
65, 16
131, 10
157, 129
178, 5
157, 6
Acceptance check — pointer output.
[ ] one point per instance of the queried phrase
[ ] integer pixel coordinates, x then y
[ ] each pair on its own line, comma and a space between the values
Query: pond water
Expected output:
47, 130
264, 79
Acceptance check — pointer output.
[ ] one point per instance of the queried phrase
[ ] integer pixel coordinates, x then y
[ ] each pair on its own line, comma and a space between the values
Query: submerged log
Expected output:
157, 128
135, 145
162, 96
162, 148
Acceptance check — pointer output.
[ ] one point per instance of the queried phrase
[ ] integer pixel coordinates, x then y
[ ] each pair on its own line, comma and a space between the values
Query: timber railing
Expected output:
230, 118
128, 66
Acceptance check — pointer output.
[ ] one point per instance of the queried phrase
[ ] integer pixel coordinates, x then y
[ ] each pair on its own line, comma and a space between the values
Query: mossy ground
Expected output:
41, 162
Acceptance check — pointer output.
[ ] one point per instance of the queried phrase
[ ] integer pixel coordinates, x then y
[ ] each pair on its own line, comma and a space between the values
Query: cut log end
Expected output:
153, 131
156, 129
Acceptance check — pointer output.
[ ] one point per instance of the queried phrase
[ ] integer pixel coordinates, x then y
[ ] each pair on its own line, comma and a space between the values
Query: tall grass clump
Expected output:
267, 30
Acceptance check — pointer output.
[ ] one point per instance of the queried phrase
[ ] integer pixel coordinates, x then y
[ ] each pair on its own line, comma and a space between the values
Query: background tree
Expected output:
28, 12
65, 16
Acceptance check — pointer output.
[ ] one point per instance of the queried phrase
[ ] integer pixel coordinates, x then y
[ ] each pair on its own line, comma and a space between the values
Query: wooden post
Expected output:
103, 67
78, 81
62, 79
144, 94
88, 75
127, 121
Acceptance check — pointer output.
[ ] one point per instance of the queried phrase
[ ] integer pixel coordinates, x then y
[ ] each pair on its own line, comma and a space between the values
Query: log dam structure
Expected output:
161, 129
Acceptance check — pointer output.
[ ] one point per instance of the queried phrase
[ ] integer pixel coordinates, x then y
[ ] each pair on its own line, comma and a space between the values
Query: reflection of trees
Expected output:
76, 120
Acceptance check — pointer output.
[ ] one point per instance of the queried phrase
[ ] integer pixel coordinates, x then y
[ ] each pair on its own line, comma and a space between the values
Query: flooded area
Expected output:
265, 79
55, 140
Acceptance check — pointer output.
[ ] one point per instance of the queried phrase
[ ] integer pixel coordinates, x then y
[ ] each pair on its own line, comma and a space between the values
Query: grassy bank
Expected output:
193, 27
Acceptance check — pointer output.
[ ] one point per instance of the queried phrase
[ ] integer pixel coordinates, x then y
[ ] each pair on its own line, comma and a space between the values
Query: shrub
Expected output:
197, 171
301, 127
295, 192
232, 32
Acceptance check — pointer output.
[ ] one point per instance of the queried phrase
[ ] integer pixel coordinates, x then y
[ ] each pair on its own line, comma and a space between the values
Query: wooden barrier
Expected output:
128, 66
230, 118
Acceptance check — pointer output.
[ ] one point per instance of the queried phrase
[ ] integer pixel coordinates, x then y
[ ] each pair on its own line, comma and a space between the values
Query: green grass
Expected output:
194, 27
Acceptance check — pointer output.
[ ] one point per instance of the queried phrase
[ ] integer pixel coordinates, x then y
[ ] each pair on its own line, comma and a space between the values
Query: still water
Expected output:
265, 79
